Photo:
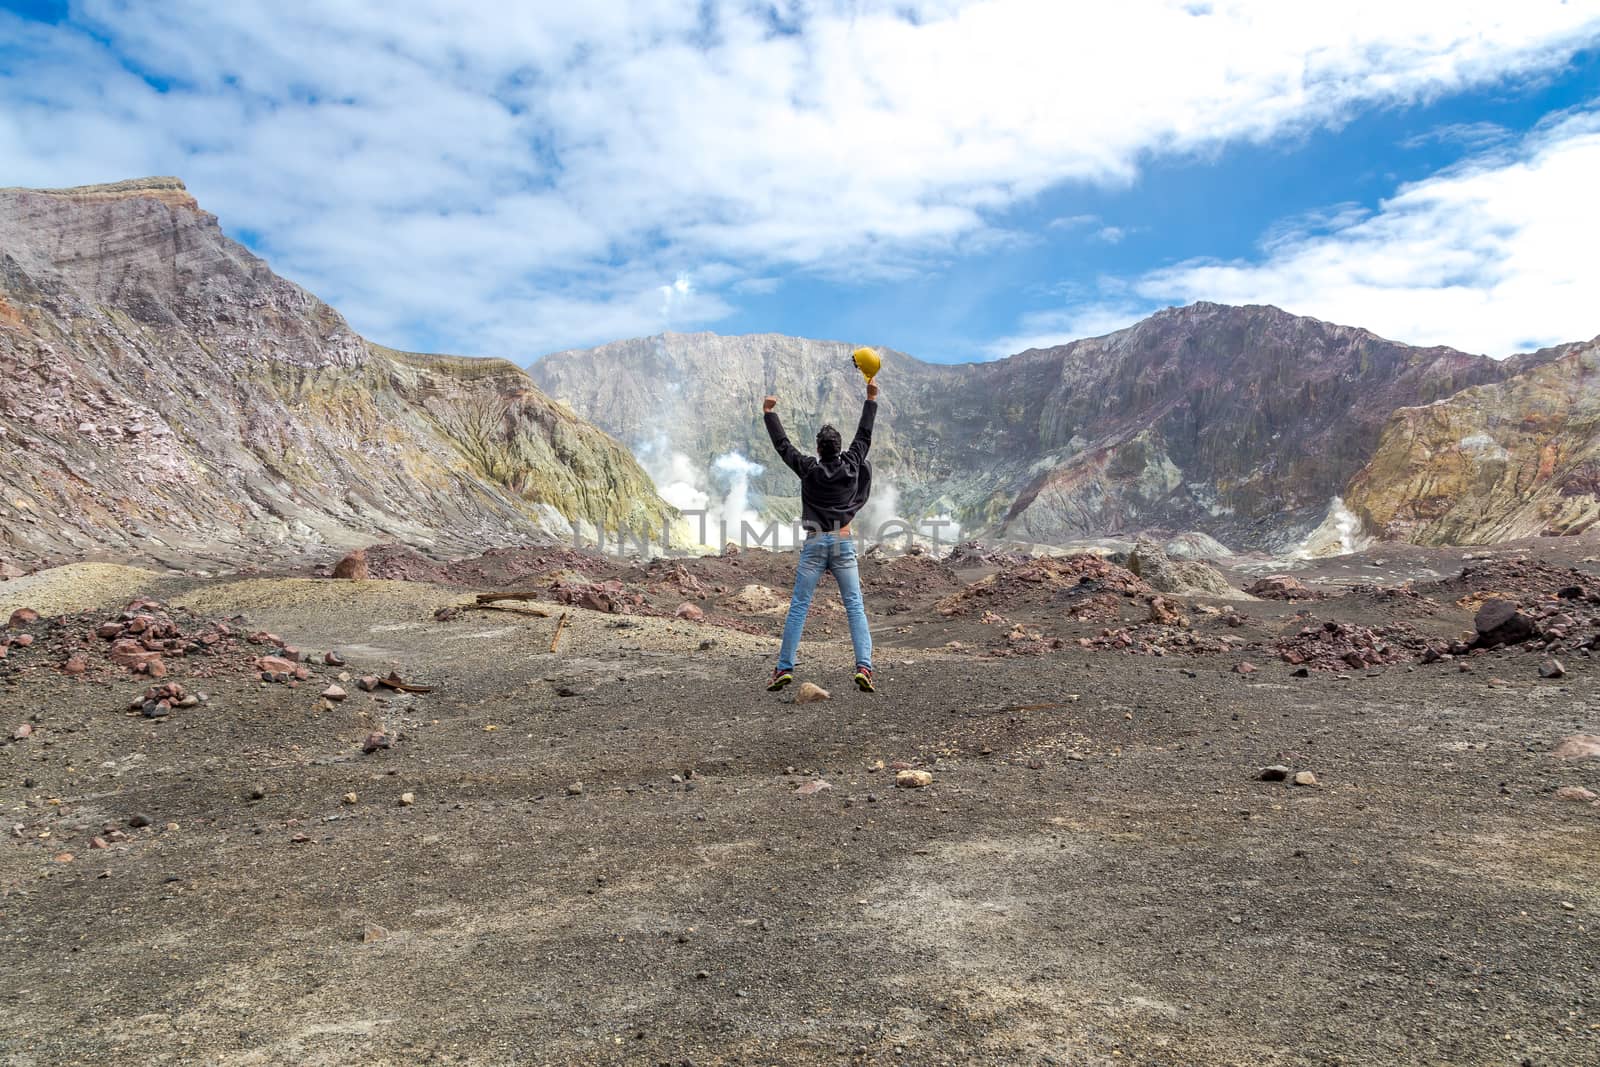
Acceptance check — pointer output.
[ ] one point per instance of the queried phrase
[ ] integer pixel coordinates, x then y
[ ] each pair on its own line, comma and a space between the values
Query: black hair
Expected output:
829, 443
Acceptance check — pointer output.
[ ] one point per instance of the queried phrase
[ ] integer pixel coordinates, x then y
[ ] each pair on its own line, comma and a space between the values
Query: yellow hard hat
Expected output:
867, 362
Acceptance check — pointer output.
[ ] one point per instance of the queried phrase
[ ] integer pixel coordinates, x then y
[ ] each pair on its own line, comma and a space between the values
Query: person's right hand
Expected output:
769, 403
872, 390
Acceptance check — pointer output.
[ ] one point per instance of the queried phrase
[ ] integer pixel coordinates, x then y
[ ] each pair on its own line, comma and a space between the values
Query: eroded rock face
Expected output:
165, 395
1242, 422
1513, 459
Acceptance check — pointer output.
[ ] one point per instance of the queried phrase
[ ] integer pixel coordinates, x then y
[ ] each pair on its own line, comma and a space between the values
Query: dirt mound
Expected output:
1517, 579
1081, 587
401, 563
78, 586
971, 554
148, 640
757, 600
498, 568
1341, 646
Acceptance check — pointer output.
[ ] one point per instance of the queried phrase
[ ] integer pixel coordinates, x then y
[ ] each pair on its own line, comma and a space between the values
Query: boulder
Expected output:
1500, 622
1280, 587
1179, 577
353, 566
690, 612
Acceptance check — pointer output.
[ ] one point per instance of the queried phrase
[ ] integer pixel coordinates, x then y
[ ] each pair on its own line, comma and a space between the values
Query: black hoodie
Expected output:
831, 491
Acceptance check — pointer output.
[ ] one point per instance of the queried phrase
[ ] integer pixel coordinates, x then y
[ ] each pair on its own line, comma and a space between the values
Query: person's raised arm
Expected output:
869, 411
780, 440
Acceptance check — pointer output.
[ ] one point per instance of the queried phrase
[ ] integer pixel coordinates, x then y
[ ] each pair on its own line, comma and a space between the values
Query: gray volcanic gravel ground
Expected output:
1094, 876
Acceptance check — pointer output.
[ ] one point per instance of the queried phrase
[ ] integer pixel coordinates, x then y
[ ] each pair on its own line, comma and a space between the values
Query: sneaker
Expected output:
864, 679
780, 678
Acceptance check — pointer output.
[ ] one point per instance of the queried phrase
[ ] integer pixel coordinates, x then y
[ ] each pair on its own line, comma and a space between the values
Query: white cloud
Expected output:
1495, 255
513, 179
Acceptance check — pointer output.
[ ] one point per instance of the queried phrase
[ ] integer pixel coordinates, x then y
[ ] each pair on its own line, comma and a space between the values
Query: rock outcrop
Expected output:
1518, 458
1180, 577
165, 396
1240, 422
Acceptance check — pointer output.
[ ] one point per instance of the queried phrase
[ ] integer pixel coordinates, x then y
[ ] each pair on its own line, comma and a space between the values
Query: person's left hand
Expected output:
872, 390
769, 403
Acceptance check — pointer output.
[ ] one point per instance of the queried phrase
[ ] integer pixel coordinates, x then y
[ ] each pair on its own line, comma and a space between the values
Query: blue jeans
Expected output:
835, 553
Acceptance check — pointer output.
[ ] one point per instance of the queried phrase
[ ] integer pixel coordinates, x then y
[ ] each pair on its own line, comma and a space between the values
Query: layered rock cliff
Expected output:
1242, 422
1518, 458
164, 396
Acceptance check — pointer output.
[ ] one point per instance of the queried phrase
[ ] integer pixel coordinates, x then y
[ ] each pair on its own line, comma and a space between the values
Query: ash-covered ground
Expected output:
289, 818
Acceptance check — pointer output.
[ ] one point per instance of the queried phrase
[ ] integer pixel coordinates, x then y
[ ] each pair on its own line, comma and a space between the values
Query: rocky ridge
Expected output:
165, 396
1243, 423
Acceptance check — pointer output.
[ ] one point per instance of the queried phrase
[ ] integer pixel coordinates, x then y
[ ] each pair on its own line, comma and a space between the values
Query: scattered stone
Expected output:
334, 692
690, 612
810, 693
23, 732
1566, 905
913, 779
1304, 778
139, 820
1577, 794
258, 793
353, 566
98, 843
367, 683
350, 798
333, 659
813, 788
1552, 668
575, 789
375, 740
407, 799
23, 617
1245, 667
372, 933
22, 640
1164, 612
1275, 773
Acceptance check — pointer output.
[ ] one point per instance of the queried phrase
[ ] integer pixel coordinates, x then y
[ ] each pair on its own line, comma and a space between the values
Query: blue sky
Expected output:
958, 179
